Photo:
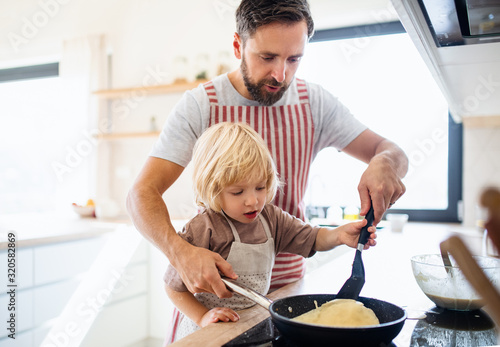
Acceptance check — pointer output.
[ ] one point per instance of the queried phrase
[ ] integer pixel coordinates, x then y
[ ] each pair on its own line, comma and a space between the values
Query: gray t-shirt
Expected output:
334, 125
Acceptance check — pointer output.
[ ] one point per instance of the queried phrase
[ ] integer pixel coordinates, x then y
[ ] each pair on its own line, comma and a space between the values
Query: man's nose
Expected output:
279, 71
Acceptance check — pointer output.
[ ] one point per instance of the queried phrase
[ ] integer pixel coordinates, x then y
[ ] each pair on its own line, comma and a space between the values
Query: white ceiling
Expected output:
340, 13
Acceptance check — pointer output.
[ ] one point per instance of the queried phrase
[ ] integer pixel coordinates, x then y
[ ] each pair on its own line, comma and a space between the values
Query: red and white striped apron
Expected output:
288, 131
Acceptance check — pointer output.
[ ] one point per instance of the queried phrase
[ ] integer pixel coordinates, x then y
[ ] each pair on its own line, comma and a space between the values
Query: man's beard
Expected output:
257, 90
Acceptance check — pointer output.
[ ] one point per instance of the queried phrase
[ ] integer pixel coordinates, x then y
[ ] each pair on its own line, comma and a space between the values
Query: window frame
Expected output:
29, 72
453, 213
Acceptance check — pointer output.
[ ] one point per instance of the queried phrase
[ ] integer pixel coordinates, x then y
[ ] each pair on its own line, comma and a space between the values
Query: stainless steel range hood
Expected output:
462, 22
460, 43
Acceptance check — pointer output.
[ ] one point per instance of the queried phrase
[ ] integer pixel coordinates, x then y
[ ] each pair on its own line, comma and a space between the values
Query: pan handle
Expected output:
247, 292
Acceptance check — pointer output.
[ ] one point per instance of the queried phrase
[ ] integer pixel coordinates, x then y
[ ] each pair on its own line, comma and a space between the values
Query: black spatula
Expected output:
352, 287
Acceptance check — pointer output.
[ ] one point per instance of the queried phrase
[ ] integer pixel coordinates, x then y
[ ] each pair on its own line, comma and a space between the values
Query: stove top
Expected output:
439, 327
265, 334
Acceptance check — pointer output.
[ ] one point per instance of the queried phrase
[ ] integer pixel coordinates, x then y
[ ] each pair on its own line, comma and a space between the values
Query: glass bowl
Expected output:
447, 286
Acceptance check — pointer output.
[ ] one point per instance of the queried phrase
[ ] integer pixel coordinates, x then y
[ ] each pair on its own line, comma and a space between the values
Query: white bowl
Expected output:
447, 286
84, 211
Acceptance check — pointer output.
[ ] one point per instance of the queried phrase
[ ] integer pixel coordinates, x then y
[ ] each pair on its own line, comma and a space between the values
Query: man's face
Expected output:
270, 59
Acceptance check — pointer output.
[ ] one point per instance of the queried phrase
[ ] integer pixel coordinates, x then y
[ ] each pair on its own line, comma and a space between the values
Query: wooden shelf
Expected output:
481, 121
178, 87
117, 136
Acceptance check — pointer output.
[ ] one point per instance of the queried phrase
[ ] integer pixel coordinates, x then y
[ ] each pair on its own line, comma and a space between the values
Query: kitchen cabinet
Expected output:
46, 277
50, 276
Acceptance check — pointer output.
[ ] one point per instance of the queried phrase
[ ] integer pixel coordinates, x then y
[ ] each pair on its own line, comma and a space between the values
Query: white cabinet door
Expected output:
23, 311
22, 339
65, 260
120, 324
23, 268
51, 299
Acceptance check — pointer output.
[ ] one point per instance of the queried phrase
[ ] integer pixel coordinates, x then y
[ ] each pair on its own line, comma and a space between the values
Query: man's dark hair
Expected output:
252, 14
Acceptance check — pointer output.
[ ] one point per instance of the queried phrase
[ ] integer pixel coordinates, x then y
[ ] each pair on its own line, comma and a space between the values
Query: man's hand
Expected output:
199, 268
381, 185
381, 182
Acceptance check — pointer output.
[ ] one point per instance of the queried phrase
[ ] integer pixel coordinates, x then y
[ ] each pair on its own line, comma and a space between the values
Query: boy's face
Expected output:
243, 201
270, 59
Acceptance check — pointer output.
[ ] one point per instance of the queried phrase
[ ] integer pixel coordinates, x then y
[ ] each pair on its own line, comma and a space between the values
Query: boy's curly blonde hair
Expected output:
227, 153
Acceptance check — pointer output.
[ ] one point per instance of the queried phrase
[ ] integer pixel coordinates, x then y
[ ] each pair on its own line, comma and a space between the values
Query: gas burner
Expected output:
265, 334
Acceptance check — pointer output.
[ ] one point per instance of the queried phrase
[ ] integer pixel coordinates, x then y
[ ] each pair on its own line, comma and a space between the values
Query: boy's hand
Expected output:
350, 234
219, 314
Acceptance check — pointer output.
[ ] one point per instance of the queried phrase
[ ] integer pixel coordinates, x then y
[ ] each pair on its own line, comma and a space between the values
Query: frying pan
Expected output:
391, 319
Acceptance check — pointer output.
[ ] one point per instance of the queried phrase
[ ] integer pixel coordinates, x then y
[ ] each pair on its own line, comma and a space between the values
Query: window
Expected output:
36, 130
386, 85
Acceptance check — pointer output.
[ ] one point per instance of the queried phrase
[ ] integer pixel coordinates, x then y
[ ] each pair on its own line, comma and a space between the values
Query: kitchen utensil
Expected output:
446, 261
447, 286
475, 275
490, 199
352, 287
282, 311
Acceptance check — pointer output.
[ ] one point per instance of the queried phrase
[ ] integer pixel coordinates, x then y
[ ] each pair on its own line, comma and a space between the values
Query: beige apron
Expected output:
252, 262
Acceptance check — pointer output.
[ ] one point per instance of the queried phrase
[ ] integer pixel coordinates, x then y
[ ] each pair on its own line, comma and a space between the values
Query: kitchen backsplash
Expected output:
481, 165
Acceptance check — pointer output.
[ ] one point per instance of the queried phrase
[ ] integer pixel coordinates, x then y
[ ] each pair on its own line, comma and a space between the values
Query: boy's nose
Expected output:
251, 199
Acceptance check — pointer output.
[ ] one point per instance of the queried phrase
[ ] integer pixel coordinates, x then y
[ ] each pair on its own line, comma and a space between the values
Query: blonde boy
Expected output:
235, 180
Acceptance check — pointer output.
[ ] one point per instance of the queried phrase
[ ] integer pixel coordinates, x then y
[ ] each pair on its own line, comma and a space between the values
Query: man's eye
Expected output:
267, 58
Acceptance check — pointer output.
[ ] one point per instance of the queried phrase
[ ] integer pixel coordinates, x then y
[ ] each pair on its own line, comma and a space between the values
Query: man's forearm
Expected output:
394, 155
150, 216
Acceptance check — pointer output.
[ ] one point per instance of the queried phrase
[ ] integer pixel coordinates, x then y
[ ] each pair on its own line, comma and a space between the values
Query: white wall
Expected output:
481, 167
145, 36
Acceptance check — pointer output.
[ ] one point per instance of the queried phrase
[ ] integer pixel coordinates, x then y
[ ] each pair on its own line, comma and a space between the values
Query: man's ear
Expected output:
237, 46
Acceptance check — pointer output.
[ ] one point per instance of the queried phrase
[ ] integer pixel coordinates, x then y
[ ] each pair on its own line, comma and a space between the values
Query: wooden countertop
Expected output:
388, 277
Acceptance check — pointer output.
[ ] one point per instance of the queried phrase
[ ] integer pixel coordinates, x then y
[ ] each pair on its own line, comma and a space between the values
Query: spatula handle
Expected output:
365, 234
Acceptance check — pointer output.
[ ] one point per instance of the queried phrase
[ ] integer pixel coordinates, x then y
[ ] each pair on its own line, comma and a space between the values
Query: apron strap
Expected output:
212, 95
233, 228
265, 224
302, 90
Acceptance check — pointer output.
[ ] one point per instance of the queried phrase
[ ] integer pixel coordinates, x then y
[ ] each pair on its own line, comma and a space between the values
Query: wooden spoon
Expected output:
490, 199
